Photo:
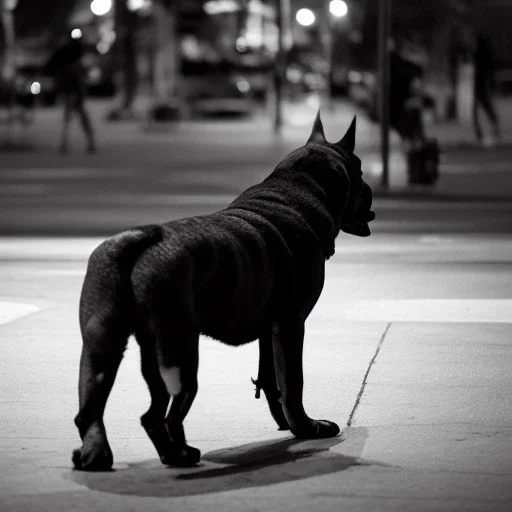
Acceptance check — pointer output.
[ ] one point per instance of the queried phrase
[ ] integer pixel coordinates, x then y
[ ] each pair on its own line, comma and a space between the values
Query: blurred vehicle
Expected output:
17, 91
215, 88
11, 93
17, 100
219, 94
37, 84
301, 79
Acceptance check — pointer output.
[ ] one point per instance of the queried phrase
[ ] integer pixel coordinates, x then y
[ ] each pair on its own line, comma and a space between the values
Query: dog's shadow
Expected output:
249, 465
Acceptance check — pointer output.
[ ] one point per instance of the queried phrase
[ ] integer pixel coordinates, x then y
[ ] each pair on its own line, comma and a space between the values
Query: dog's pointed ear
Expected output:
348, 142
317, 135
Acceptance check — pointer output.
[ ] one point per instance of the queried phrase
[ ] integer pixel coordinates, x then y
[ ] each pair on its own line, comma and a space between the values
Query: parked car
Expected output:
226, 93
16, 100
38, 84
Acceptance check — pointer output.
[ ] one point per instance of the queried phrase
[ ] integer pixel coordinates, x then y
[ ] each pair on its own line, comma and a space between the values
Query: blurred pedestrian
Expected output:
69, 71
406, 105
406, 98
483, 88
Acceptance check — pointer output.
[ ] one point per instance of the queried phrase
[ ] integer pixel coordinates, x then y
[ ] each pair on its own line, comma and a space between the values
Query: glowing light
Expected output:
338, 8
76, 33
243, 85
103, 47
10, 5
220, 6
241, 44
35, 88
305, 17
101, 7
136, 5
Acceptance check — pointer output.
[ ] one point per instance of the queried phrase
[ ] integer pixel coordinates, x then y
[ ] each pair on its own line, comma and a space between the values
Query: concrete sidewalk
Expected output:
424, 405
422, 394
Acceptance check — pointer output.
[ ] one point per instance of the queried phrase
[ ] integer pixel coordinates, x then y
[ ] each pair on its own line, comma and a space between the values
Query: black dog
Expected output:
252, 270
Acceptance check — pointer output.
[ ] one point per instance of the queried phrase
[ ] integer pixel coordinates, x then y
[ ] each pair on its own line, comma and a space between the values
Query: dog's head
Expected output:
356, 213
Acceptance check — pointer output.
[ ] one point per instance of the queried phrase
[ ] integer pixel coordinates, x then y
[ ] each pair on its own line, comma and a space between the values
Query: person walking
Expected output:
66, 64
406, 101
483, 88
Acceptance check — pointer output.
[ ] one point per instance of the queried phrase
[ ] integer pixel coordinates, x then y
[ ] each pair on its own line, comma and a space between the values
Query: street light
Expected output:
101, 7
138, 5
338, 8
10, 5
305, 17
76, 33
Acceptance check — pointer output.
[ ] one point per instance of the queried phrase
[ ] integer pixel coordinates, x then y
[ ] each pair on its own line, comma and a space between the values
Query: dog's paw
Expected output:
93, 460
95, 454
181, 456
317, 429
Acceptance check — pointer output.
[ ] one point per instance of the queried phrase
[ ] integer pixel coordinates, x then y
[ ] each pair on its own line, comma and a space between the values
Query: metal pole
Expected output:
285, 42
328, 51
8, 70
384, 82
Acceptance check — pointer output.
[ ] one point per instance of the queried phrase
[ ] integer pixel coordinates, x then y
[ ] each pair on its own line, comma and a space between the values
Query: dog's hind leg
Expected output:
107, 310
177, 348
103, 347
153, 419
267, 380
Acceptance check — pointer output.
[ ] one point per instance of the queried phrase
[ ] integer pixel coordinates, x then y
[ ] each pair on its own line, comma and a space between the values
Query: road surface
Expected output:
409, 348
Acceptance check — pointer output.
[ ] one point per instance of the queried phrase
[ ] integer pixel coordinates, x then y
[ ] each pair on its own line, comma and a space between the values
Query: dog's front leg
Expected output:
288, 341
267, 380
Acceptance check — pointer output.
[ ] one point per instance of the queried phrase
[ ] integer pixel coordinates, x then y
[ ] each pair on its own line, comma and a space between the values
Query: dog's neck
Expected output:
322, 190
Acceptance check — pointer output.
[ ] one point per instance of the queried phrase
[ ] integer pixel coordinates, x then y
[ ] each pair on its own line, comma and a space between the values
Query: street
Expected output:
409, 348
142, 175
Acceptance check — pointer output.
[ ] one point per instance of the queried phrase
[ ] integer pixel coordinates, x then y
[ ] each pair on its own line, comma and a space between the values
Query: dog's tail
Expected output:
107, 288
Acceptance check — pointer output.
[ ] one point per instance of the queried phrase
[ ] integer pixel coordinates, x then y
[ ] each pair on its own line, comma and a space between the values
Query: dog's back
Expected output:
217, 266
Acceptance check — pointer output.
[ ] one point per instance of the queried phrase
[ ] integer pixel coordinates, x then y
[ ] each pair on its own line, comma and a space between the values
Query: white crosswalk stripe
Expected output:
10, 311
430, 310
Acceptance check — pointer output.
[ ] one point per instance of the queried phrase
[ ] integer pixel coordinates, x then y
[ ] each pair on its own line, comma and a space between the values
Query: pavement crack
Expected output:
363, 385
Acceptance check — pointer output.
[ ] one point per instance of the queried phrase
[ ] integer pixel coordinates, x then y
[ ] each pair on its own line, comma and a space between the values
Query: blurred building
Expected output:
240, 36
